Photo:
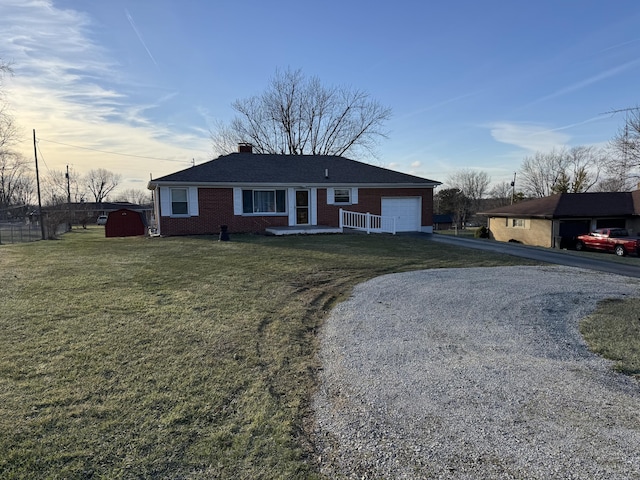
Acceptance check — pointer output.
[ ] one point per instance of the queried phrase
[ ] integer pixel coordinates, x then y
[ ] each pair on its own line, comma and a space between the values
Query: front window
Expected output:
342, 195
517, 222
264, 201
179, 204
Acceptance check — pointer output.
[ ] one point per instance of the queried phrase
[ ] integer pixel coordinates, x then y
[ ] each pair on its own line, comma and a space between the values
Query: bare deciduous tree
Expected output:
539, 173
500, 195
57, 187
574, 170
8, 131
614, 184
626, 143
473, 184
133, 195
298, 115
101, 182
452, 201
502, 191
224, 139
5, 69
584, 164
623, 166
16, 181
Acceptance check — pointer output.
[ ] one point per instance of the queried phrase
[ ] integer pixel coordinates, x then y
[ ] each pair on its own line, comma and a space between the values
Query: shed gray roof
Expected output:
564, 205
254, 168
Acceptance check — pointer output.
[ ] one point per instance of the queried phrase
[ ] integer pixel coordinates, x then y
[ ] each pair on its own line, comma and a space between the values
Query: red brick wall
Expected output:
369, 200
216, 208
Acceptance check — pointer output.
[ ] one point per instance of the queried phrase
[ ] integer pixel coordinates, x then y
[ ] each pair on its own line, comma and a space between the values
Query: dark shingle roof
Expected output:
594, 204
252, 168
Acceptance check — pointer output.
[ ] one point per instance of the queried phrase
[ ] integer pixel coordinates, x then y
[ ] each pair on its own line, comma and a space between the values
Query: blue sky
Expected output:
472, 84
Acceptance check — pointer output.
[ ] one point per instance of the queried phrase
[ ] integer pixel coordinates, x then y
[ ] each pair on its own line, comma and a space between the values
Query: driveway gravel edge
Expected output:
474, 373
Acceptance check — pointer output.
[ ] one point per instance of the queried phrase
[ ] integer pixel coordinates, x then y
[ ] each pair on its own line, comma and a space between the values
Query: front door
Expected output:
302, 207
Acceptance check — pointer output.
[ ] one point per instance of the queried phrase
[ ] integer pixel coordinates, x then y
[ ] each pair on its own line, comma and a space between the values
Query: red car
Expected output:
616, 240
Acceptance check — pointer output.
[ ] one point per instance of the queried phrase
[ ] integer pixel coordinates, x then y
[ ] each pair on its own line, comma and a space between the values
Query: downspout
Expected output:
156, 208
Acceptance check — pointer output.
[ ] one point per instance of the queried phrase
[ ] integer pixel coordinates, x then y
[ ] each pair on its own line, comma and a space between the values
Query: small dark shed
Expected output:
125, 223
442, 222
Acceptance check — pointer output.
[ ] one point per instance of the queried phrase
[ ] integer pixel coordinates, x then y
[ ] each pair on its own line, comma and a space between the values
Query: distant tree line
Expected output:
613, 168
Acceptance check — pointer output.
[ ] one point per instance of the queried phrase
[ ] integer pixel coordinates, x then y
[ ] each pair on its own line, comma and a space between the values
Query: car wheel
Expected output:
620, 251
579, 245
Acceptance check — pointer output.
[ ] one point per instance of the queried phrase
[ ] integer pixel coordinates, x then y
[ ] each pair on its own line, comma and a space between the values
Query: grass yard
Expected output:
613, 331
176, 357
465, 233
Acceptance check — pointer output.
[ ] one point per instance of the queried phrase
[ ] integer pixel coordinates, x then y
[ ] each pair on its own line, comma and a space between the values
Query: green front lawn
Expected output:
613, 331
176, 357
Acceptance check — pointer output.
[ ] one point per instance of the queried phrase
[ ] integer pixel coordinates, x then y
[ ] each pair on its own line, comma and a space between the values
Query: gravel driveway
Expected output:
475, 374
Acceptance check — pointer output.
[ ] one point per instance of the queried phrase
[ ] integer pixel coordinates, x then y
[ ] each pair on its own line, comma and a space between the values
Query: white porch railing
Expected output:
367, 222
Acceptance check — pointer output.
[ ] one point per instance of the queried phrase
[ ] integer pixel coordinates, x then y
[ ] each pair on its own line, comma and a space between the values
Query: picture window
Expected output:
264, 201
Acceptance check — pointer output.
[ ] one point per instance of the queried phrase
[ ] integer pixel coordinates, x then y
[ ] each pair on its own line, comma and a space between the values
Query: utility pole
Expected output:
513, 187
35, 153
69, 197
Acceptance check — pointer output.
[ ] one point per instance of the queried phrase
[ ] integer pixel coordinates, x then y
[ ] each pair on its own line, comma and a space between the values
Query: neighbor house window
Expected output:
264, 201
517, 222
179, 202
342, 195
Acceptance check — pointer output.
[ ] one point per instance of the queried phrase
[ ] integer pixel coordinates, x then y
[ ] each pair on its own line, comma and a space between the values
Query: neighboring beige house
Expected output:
556, 220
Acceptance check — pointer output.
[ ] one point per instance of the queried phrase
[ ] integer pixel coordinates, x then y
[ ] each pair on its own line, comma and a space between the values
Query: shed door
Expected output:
406, 210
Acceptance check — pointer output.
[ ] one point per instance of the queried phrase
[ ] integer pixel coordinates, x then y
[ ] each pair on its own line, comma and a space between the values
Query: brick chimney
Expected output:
245, 148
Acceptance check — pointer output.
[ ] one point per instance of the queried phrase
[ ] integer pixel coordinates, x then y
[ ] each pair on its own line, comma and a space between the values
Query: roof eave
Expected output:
153, 184
514, 215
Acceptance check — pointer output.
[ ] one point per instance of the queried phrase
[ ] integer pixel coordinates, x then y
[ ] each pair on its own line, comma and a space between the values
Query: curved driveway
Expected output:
559, 257
476, 373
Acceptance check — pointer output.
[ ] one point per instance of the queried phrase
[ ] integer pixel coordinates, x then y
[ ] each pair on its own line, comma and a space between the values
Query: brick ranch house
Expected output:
250, 193
556, 220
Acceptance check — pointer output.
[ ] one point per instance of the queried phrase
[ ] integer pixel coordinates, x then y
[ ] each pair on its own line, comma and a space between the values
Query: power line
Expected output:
110, 153
613, 112
42, 156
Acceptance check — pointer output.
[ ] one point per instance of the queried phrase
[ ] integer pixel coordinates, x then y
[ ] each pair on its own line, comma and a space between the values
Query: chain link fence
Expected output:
19, 232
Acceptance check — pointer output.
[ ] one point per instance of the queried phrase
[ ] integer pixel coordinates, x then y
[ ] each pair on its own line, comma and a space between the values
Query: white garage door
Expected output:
406, 210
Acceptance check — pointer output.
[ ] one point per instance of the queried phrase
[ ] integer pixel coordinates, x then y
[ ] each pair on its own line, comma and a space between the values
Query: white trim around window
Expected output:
517, 223
179, 202
260, 201
342, 196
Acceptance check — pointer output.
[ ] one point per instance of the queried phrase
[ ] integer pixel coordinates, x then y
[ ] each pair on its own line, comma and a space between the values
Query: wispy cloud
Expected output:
599, 118
528, 136
437, 105
70, 90
620, 45
135, 29
590, 81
